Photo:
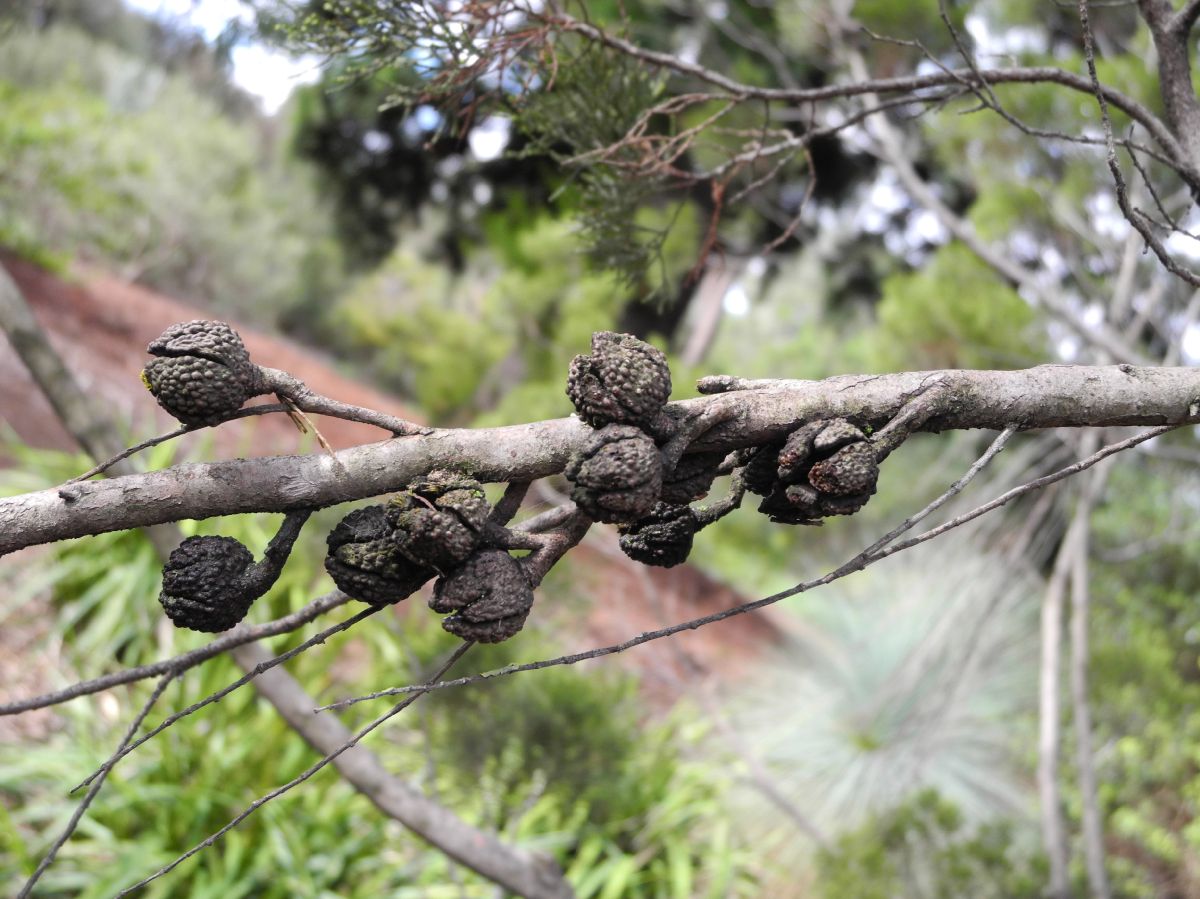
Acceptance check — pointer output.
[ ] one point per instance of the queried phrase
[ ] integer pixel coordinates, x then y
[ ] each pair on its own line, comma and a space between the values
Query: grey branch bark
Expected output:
1043, 397
524, 873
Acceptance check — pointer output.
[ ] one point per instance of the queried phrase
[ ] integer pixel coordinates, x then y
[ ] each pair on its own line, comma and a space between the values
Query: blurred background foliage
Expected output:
457, 247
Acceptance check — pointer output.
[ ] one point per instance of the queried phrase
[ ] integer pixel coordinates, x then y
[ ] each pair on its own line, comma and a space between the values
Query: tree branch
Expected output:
259, 669
1185, 19
891, 152
1043, 397
902, 84
1174, 71
289, 387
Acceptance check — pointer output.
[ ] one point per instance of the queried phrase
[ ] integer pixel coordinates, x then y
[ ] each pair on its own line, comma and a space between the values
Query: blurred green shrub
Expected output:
924, 848
108, 157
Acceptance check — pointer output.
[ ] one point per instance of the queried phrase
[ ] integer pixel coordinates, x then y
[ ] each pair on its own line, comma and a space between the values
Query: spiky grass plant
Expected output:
918, 674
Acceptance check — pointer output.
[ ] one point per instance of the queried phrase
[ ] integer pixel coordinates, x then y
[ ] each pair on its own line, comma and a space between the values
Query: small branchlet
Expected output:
202, 374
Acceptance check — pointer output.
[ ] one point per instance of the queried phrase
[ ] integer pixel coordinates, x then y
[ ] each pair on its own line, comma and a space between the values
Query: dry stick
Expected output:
956, 488
555, 545
296, 781
1185, 18
867, 557
1046, 480
184, 661
548, 520
263, 409
52, 852
289, 387
240, 682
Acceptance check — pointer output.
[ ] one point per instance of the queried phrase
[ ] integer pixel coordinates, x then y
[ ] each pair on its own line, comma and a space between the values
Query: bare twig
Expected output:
892, 152
1166, 75
240, 682
1185, 19
239, 636
296, 781
81, 809
956, 488
510, 503
555, 545
264, 409
713, 512
1045, 481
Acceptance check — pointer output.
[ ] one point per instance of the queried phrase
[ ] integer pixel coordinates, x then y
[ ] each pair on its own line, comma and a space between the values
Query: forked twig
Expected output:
264, 409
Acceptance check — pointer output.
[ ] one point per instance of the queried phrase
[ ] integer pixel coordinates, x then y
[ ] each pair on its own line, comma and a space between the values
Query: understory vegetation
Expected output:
886, 743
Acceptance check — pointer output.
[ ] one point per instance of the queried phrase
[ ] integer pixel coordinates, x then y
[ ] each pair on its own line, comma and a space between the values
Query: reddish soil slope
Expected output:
102, 326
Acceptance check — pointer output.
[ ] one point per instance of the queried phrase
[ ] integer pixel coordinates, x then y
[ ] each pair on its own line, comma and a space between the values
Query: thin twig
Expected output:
956, 488
1037, 484
264, 409
1186, 17
81, 809
555, 545
237, 637
240, 682
548, 520
296, 781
